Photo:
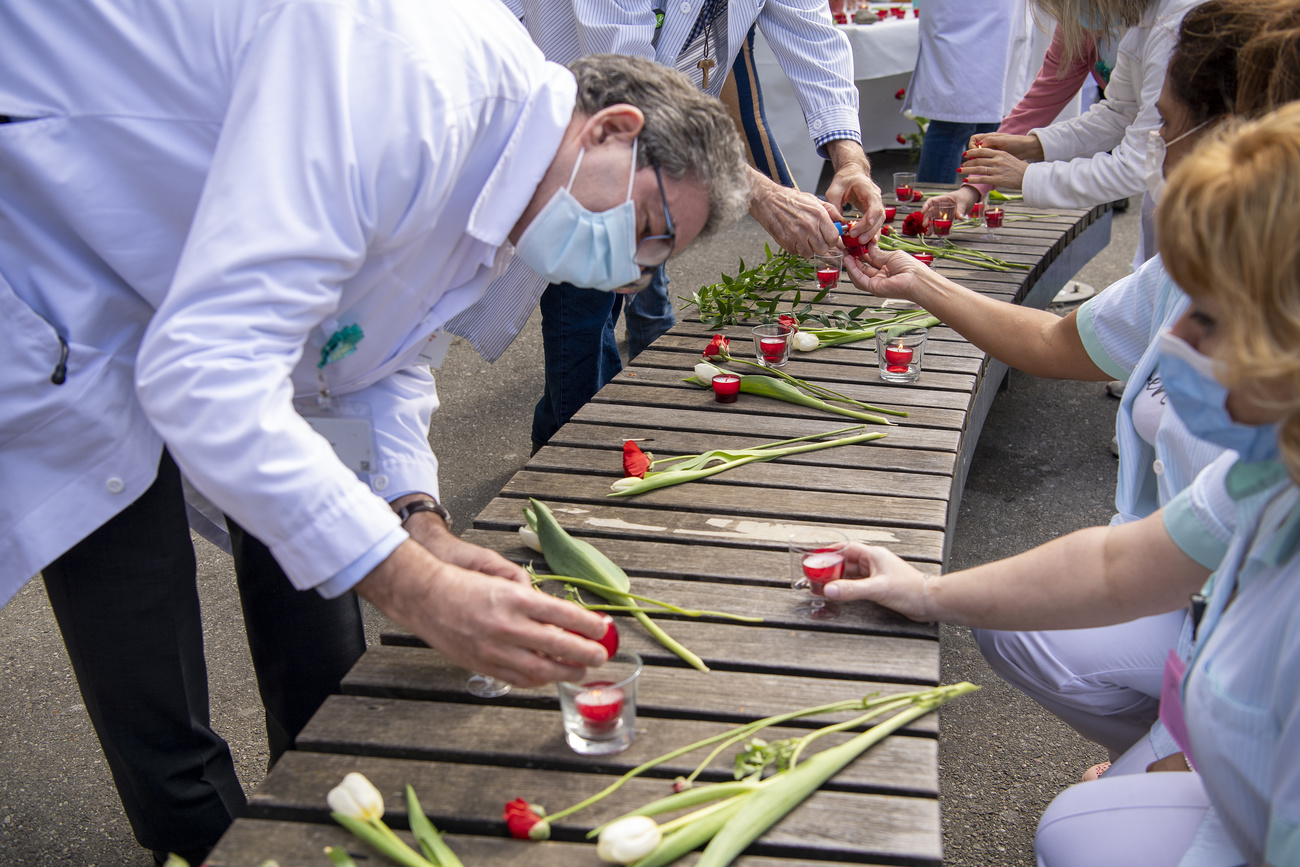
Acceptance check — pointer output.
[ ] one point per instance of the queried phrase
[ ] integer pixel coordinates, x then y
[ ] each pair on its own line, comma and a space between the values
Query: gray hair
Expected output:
1070, 16
686, 132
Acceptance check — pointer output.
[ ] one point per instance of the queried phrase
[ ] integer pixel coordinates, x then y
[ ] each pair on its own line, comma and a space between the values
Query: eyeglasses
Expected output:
654, 250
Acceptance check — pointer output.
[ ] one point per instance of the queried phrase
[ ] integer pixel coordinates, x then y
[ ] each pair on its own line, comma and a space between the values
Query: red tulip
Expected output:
718, 346
635, 463
885, 230
609, 640
523, 821
789, 321
902, 92
914, 224
917, 196
900, 138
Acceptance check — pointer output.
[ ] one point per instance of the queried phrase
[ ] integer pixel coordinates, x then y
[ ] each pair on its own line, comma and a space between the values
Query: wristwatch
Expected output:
434, 506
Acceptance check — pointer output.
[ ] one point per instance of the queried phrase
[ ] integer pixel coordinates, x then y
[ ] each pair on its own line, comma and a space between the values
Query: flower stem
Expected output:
689, 612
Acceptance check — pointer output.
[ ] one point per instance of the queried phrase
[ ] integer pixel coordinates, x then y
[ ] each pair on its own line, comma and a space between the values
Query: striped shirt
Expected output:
1241, 694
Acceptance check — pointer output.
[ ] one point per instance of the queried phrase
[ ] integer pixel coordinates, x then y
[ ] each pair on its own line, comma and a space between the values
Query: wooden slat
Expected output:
527, 737
297, 844
420, 674
465, 798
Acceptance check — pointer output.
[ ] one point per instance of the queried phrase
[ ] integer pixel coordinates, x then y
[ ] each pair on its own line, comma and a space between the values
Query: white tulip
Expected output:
706, 371
805, 342
624, 483
628, 840
357, 798
529, 537
909, 114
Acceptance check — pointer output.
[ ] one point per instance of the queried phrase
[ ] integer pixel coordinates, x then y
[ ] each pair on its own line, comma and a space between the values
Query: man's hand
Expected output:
882, 577
964, 197
500, 628
852, 183
1022, 147
801, 223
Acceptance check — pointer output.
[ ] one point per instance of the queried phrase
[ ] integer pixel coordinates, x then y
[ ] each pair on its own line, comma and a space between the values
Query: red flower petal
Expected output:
902, 91
885, 230
718, 346
917, 196
900, 138
789, 321
635, 463
914, 224
520, 819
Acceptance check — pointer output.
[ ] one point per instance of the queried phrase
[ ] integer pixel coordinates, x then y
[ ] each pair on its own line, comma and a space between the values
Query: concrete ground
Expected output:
1043, 468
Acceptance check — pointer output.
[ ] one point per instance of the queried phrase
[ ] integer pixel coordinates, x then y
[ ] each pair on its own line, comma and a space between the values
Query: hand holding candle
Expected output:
816, 559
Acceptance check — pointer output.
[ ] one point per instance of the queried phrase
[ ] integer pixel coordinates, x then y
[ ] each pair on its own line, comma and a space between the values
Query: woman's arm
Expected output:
1035, 341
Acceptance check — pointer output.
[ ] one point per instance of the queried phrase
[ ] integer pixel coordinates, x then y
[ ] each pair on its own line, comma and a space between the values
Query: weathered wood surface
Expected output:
721, 544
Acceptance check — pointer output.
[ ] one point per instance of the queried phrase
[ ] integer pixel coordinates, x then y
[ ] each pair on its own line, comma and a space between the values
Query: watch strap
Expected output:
405, 512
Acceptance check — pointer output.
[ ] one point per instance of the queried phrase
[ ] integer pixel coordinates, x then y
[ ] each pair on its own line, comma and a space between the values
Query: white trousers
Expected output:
1134, 820
1104, 682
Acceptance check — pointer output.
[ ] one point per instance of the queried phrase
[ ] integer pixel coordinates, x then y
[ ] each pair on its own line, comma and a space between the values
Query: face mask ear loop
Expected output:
632, 177
576, 164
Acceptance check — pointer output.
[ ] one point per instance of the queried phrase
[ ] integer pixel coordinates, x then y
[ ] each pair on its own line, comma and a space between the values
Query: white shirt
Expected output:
263, 172
1100, 155
961, 66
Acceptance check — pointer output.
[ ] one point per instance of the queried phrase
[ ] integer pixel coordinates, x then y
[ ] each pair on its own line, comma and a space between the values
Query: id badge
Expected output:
1171, 704
435, 349
348, 428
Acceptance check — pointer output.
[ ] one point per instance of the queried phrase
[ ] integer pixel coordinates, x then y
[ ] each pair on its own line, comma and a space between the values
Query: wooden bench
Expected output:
404, 716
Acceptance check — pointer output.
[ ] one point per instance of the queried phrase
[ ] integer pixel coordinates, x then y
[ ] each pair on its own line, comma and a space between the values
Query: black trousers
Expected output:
127, 605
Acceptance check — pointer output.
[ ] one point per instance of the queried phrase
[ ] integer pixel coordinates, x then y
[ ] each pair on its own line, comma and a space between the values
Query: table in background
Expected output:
405, 718
884, 55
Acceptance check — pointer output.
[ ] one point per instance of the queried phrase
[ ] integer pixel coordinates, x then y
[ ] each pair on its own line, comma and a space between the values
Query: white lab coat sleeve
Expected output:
1100, 156
615, 27
402, 404
818, 61
327, 149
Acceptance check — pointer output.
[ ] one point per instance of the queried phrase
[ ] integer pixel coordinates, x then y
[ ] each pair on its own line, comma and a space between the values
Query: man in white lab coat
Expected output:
242, 229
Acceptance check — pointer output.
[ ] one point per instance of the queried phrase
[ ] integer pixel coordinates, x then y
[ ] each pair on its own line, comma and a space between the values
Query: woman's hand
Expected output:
964, 197
888, 275
1023, 147
993, 167
881, 577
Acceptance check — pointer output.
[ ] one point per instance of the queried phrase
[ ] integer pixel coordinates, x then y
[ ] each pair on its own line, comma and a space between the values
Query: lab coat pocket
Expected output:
39, 367
1243, 735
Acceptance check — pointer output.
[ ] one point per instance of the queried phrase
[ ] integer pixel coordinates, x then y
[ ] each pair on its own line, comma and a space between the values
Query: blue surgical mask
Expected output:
1201, 402
567, 243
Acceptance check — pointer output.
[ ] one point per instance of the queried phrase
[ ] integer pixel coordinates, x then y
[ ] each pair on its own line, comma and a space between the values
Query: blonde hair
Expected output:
1227, 230
1071, 14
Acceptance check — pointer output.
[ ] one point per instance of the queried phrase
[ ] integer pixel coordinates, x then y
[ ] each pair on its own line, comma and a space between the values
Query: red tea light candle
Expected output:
826, 278
976, 209
773, 348
882, 14
904, 194
726, 387
600, 706
821, 568
890, 213
916, 13
897, 358
993, 217
941, 227
899, 12
926, 258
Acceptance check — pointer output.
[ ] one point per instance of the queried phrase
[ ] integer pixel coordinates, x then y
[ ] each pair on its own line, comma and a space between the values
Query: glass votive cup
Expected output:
816, 559
976, 211
904, 185
993, 215
943, 217
726, 387
900, 349
924, 258
772, 344
828, 267
600, 714
890, 213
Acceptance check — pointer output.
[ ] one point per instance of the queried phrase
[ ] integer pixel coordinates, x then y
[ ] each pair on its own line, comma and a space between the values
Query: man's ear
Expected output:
621, 123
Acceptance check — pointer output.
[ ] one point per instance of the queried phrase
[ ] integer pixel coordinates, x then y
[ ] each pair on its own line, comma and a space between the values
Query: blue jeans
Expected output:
579, 347
942, 149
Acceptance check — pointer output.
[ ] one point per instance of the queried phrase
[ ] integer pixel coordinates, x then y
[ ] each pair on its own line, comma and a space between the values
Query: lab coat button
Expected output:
379, 482
115, 485
1158, 467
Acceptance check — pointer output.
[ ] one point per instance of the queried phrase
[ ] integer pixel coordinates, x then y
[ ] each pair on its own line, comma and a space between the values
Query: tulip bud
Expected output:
805, 342
628, 840
529, 537
706, 371
357, 798
622, 485
909, 114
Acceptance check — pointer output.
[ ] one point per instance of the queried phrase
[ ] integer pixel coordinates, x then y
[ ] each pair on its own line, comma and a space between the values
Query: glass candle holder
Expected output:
993, 215
828, 268
944, 215
816, 559
772, 344
600, 713
899, 350
890, 213
904, 184
726, 387
927, 258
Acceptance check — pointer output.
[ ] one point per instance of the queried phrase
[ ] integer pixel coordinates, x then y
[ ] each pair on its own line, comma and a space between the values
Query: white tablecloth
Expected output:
884, 54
